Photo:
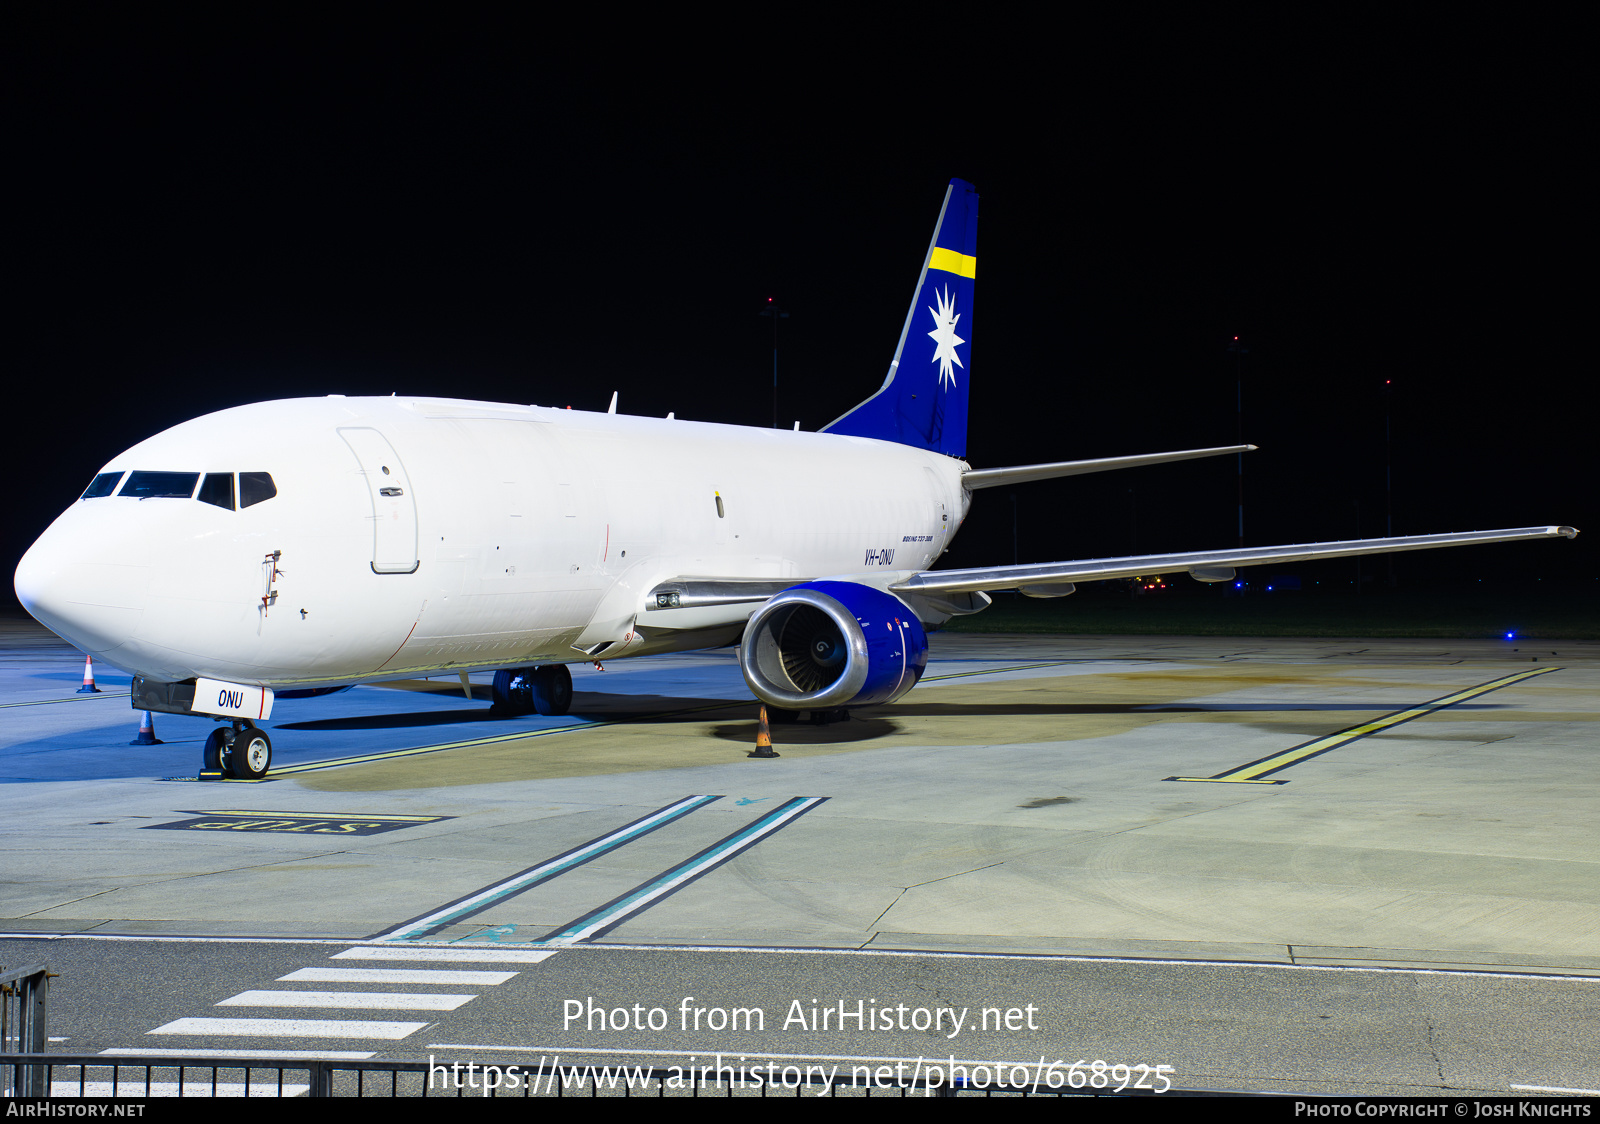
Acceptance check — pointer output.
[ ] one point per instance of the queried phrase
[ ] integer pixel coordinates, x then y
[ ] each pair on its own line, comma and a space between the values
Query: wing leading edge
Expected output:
1205, 565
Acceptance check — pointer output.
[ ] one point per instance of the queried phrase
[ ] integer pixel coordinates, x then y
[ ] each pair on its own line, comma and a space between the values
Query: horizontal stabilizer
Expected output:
1022, 474
1207, 562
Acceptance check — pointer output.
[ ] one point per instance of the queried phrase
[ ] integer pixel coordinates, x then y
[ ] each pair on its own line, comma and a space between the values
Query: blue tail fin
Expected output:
923, 401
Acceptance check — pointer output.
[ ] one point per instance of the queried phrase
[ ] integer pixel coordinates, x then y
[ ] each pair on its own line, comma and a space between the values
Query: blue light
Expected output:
1511, 636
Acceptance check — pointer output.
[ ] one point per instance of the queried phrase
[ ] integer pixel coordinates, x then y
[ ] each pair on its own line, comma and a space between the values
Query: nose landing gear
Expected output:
243, 752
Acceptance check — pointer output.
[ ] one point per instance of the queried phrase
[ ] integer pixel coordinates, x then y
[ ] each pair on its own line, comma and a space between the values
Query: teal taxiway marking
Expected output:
600, 921
479, 900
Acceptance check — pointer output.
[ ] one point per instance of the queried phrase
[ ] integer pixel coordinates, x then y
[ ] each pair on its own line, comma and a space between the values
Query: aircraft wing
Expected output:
1205, 565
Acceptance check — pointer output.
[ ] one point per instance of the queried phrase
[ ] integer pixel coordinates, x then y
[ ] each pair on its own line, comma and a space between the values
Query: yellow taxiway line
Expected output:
1254, 771
572, 727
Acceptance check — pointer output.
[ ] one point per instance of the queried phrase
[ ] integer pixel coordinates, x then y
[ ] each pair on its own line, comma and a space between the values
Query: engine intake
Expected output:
832, 644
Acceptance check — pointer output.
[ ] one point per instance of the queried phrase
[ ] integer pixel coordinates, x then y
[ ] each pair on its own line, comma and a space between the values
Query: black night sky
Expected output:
198, 226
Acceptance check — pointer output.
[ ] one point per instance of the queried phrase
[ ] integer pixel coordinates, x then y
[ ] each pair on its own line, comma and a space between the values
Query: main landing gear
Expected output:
546, 689
243, 752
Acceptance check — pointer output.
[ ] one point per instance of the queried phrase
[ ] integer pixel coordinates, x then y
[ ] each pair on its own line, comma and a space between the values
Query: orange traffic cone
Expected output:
147, 732
763, 738
88, 687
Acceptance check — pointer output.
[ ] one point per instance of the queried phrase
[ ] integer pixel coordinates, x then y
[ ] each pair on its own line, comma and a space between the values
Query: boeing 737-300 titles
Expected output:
358, 539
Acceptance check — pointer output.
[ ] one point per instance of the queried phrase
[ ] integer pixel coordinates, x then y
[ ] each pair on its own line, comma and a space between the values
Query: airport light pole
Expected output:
1358, 535
772, 311
1239, 351
1133, 521
1014, 552
1388, 477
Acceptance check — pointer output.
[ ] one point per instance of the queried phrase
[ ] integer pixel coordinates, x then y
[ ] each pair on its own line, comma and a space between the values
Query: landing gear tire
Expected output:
551, 689
507, 686
216, 748
543, 690
251, 754
779, 716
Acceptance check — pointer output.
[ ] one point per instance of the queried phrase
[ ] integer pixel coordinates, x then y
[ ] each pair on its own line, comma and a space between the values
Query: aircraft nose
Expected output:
93, 602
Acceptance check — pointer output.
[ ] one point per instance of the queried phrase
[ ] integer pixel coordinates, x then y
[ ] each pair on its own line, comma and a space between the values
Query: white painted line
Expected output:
396, 975
191, 1088
1556, 1089
451, 955
1532, 974
1544, 973
37, 934
382, 1000
313, 1055
291, 1028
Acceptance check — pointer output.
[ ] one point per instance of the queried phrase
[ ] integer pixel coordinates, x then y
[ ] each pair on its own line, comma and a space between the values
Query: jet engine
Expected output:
830, 644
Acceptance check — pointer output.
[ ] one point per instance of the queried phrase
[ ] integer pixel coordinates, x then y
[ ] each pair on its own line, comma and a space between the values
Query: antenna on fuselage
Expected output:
613, 407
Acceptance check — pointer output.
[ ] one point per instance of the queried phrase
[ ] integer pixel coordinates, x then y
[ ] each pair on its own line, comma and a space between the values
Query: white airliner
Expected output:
309, 544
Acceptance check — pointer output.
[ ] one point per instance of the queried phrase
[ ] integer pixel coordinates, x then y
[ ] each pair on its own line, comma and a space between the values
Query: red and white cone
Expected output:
147, 732
88, 687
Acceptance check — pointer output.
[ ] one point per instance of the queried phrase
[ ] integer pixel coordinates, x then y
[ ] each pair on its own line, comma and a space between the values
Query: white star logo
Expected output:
944, 336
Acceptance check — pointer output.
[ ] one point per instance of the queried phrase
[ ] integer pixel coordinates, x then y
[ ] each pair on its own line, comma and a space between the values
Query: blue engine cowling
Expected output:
832, 644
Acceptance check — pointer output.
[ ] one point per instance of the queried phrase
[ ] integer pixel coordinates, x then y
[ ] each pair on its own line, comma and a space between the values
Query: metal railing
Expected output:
23, 992
131, 1075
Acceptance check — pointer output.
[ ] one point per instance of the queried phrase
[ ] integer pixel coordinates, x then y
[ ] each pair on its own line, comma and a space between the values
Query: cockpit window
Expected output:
255, 487
160, 485
217, 488
102, 485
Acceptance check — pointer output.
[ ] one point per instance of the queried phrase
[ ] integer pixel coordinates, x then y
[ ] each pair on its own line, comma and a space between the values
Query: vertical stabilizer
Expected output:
923, 401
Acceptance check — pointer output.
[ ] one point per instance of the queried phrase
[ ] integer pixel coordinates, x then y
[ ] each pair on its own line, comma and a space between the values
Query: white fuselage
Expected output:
500, 536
